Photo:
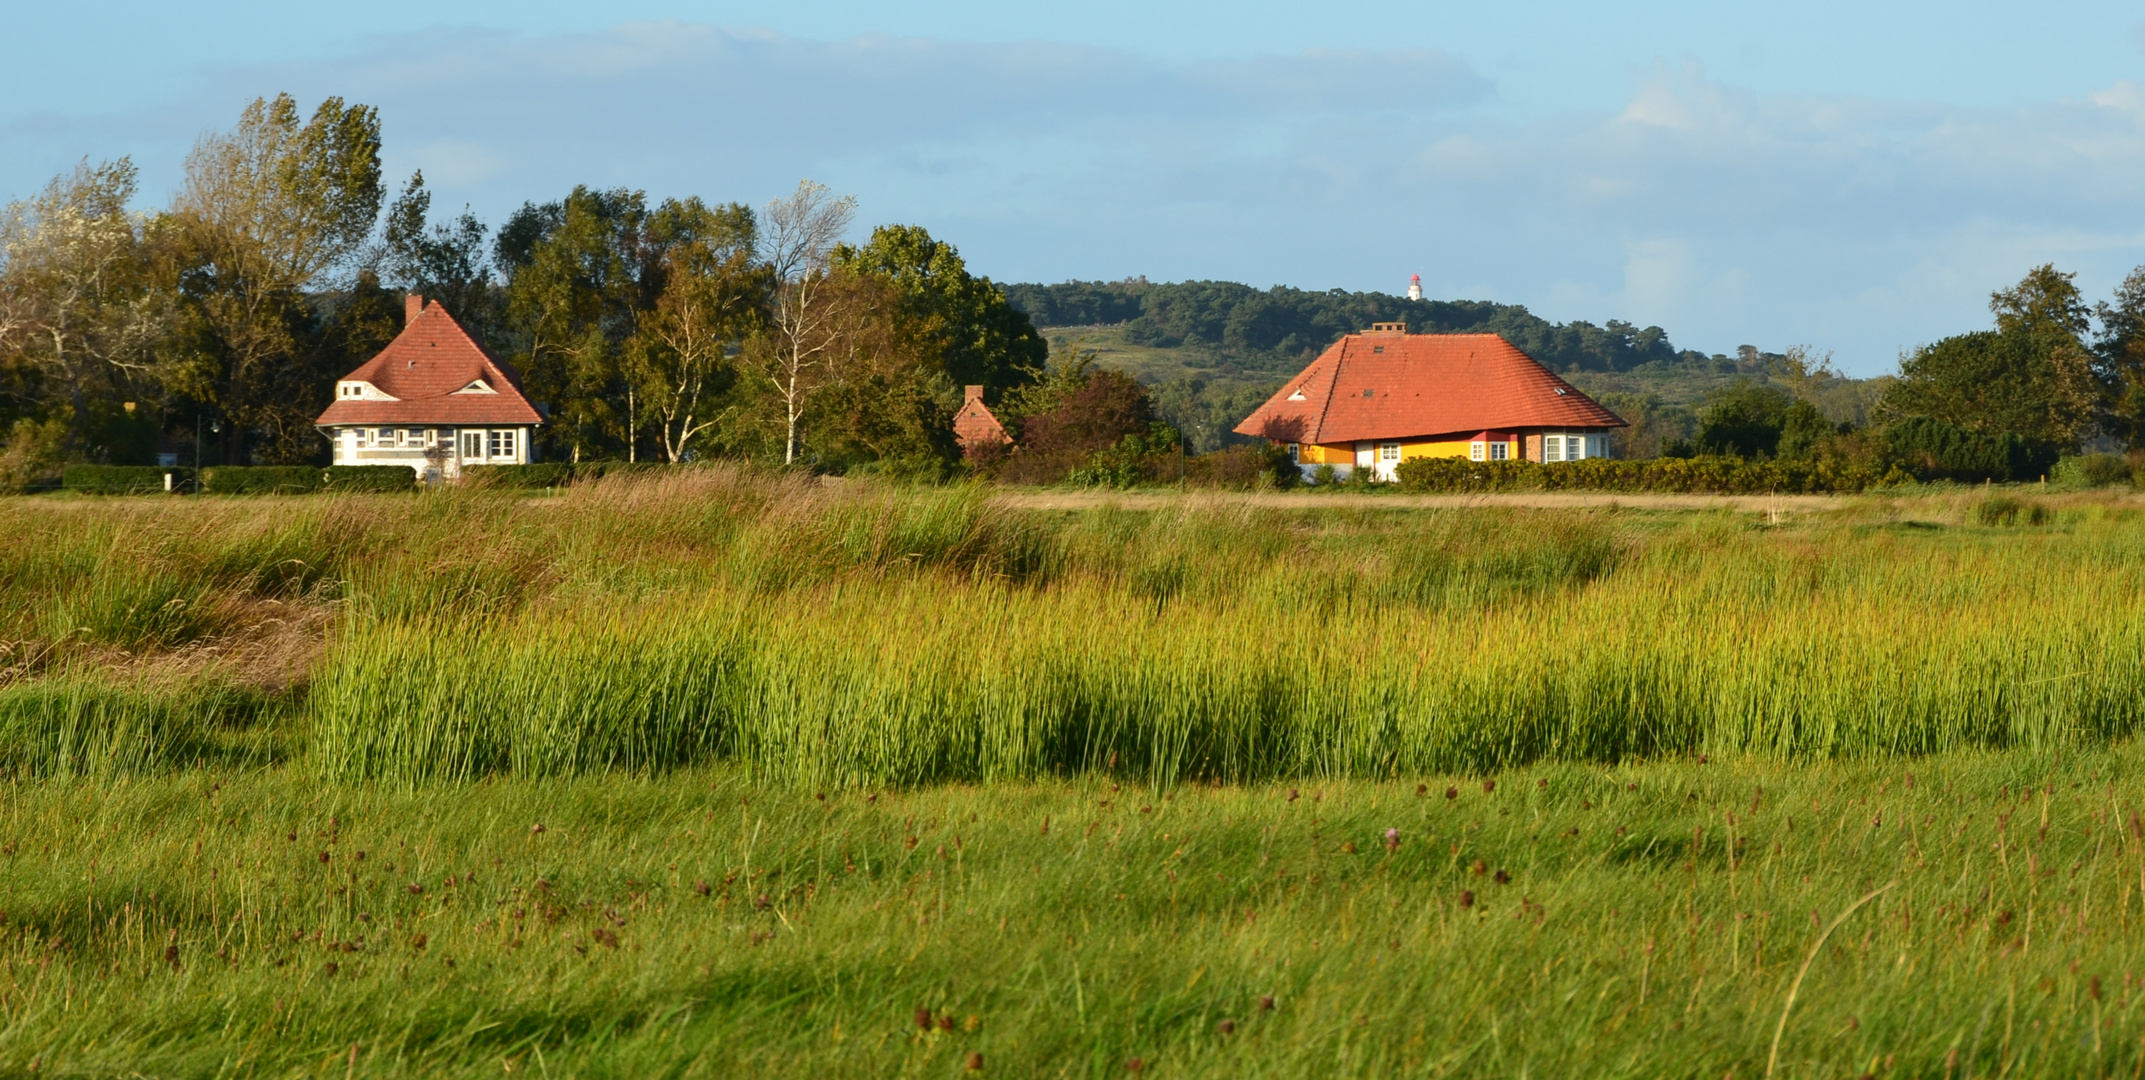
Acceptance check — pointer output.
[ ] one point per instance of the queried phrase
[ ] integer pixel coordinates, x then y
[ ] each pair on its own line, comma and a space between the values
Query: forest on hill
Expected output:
1280, 327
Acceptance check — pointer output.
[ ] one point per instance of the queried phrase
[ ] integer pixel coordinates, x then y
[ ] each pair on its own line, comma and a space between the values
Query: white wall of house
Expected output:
431, 449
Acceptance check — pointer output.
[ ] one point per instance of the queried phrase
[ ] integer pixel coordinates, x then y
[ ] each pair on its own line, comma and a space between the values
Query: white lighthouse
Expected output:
1415, 286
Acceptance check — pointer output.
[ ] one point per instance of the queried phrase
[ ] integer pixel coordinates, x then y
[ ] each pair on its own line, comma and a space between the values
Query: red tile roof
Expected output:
1398, 386
422, 368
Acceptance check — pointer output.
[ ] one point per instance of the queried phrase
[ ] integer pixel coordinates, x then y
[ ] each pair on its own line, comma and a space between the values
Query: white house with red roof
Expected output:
434, 400
1380, 397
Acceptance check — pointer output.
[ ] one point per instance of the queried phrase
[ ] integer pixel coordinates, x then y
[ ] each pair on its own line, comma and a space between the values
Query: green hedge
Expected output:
261, 479
370, 478
123, 479
1702, 475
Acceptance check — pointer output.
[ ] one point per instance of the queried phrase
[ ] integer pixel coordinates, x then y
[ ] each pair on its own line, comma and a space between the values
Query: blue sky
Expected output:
1850, 176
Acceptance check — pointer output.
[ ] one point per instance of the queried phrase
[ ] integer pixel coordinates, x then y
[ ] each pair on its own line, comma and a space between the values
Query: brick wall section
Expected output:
975, 425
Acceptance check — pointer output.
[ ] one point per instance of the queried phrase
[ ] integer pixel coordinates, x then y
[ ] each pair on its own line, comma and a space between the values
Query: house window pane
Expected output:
1499, 451
1389, 452
1552, 448
506, 444
472, 444
1295, 452
1474, 451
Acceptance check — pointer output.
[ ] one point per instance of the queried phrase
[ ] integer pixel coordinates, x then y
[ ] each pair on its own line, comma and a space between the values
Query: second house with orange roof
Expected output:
1377, 398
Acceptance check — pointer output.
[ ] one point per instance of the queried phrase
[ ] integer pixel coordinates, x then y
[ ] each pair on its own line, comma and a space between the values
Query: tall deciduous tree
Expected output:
577, 279
2120, 360
274, 208
981, 338
711, 294
441, 260
885, 402
806, 317
77, 316
2032, 376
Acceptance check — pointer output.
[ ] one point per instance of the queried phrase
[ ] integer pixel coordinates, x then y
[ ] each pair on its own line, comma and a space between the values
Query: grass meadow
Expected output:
728, 773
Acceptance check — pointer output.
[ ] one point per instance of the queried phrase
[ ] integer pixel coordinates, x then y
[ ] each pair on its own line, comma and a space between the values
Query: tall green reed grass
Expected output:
863, 634
920, 637
78, 724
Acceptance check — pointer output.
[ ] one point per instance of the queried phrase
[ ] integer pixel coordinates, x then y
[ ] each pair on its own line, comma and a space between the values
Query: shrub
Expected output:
31, 459
262, 479
2090, 471
122, 479
370, 478
1700, 475
1244, 467
1939, 450
2005, 510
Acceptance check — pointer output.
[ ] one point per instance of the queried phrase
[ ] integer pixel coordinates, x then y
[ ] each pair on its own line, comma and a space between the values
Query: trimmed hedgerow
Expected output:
122, 479
262, 479
1702, 475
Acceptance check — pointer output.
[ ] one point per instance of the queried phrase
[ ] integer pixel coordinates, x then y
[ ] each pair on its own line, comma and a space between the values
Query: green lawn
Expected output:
1647, 920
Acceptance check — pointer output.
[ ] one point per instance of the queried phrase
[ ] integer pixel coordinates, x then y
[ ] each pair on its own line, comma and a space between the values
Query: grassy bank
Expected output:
1618, 921
851, 635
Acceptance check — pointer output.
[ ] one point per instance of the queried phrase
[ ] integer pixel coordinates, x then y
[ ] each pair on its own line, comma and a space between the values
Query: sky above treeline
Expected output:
1851, 176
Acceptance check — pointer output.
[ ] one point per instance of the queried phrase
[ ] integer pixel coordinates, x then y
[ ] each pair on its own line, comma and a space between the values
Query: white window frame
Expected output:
1500, 451
471, 446
1388, 453
1478, 451
1295, 453
1553, 447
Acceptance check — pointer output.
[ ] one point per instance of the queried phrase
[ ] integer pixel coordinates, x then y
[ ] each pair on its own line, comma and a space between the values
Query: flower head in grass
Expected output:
1392, 839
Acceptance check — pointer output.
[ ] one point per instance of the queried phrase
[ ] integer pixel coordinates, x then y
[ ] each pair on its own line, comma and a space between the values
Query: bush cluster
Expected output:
1700, 475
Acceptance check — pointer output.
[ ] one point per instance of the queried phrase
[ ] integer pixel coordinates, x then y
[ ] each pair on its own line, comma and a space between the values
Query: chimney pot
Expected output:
972, 393
412, 305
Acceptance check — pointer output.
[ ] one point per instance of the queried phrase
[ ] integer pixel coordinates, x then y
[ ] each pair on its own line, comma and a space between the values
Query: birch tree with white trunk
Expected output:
800, 234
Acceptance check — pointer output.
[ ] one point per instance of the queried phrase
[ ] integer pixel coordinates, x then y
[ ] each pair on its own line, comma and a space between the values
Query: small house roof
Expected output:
438, 374
1390, 384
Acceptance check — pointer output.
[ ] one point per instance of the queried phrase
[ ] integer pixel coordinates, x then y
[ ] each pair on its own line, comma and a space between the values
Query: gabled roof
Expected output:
1396, 385
425, 369
976, 425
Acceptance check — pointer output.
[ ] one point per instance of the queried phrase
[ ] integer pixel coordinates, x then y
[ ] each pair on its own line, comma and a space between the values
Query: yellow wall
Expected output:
1314, 454
1433, 449
1345, 453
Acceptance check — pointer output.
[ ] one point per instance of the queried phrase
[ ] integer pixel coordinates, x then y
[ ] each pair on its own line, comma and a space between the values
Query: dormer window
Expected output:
477, 386
1297, 396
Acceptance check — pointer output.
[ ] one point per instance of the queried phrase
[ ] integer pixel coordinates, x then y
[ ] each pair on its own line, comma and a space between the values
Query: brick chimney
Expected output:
412, 305
972, 393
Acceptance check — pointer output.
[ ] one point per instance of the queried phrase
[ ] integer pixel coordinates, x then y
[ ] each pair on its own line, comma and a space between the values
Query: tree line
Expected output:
2054, 378
664, 330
